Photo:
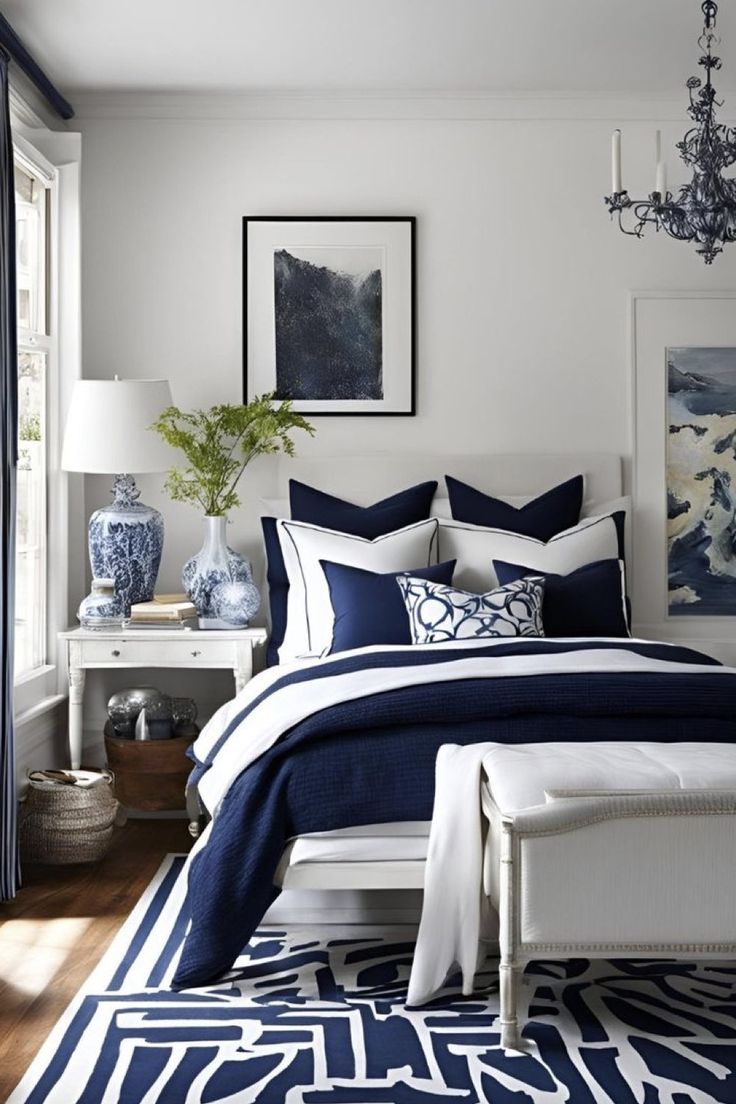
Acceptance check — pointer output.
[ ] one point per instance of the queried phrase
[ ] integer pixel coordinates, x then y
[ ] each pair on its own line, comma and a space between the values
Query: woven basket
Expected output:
62, 824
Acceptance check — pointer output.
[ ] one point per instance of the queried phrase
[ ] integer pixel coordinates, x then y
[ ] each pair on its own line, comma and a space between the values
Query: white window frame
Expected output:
37, 690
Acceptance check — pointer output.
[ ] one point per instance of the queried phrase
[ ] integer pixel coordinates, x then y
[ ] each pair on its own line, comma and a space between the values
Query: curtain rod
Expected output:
34, 72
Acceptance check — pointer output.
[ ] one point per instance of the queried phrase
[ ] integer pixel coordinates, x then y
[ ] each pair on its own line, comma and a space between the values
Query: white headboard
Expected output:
365, 479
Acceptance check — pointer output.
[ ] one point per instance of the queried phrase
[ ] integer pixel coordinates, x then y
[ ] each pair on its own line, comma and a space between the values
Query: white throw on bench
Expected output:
595, 850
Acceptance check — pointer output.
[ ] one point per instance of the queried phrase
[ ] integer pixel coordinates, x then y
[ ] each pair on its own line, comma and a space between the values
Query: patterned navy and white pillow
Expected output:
438, 612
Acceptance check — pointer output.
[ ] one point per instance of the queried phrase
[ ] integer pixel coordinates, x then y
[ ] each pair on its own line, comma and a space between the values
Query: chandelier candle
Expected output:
616, 163
704, 211
660, 186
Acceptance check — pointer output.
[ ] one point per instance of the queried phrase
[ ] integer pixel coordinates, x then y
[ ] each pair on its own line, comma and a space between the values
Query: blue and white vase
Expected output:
213, 565
102, 608
126, 540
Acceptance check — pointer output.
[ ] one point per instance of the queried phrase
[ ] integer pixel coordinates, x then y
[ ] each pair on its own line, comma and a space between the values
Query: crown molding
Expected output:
28, 108
419, 104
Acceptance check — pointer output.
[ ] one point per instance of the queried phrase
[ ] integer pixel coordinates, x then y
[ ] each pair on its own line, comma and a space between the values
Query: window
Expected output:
35, 354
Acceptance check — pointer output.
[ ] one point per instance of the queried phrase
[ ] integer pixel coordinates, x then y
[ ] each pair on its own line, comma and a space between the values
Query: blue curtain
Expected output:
9, 868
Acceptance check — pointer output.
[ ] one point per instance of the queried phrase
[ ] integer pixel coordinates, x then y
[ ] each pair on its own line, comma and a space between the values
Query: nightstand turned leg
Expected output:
243, 671
76, 712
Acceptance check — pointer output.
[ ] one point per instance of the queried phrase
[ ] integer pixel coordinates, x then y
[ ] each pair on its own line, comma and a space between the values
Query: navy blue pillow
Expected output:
318, 508
543, 517
278, 588
588, 602
369, 607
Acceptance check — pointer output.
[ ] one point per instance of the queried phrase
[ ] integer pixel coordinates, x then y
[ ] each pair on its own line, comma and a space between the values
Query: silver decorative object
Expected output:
142, 731
125, 707
705, 209
184, 716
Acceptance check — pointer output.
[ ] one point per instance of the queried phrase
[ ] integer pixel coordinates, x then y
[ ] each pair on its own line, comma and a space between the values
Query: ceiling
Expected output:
642, 46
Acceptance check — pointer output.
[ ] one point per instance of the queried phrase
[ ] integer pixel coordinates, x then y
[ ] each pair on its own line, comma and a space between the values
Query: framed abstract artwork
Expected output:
701, 480
328, 312
684, 472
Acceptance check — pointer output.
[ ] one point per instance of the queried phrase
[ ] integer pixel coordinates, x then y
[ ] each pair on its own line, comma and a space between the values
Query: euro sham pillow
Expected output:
388, 515
543, 517
438, 613
310, 617
368, 607
588, 602
308, 504
476, 548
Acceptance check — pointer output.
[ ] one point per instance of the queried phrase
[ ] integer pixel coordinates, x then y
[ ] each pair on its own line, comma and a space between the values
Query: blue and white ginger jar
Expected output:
102, 608
126, 540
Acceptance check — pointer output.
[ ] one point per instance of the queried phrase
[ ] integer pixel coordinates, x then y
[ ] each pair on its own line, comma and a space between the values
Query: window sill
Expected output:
46, 705
40, 739
34, 688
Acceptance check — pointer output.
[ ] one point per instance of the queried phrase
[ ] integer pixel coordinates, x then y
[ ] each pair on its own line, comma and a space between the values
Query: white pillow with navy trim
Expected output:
309, 611
475, 547
438, 612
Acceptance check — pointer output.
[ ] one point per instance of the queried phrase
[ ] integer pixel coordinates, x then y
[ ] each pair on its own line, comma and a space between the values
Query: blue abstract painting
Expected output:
701, 481
328, 322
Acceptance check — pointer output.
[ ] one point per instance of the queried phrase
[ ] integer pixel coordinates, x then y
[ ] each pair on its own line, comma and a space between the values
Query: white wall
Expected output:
522, 282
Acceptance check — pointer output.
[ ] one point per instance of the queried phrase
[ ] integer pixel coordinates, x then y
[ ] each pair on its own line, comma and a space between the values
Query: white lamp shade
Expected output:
107, 427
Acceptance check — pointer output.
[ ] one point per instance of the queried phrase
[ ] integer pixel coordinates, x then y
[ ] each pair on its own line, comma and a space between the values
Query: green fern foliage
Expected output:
218, 445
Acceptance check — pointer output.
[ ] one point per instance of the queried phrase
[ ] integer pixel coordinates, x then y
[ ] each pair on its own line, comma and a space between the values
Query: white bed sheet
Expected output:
399, 841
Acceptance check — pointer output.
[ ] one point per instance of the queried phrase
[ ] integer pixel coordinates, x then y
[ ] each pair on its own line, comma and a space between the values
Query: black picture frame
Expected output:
405, 374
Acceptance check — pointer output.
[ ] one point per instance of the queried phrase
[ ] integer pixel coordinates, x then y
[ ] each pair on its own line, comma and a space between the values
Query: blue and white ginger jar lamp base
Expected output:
219, 581
126, 540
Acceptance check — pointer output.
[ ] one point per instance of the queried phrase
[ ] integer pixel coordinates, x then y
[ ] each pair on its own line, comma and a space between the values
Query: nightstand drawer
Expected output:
158, 653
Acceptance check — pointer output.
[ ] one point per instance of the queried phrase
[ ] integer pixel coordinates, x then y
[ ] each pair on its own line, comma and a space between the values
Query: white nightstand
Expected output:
126, 648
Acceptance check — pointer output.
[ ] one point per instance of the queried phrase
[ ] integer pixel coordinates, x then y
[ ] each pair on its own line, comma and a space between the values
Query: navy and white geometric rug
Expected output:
315, 1019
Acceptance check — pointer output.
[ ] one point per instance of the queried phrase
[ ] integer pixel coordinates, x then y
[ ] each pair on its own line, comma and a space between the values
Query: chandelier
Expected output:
705, 209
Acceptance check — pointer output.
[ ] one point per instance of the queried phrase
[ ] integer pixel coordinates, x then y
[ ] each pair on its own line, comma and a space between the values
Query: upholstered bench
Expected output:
609, 850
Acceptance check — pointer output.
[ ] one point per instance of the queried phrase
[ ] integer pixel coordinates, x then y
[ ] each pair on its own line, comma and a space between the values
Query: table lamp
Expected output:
108, 432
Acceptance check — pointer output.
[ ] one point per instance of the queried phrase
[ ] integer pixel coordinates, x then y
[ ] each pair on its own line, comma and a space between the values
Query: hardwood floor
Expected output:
59, 926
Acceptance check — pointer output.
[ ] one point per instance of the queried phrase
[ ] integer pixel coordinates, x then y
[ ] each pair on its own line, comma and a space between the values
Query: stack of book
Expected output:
166, 611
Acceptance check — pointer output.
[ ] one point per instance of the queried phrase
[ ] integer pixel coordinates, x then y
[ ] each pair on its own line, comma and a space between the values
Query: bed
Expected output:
391, 856
320, 775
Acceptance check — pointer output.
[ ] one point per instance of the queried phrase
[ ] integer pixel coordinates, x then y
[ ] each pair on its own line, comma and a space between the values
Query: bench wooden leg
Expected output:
509, 984
509, 969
